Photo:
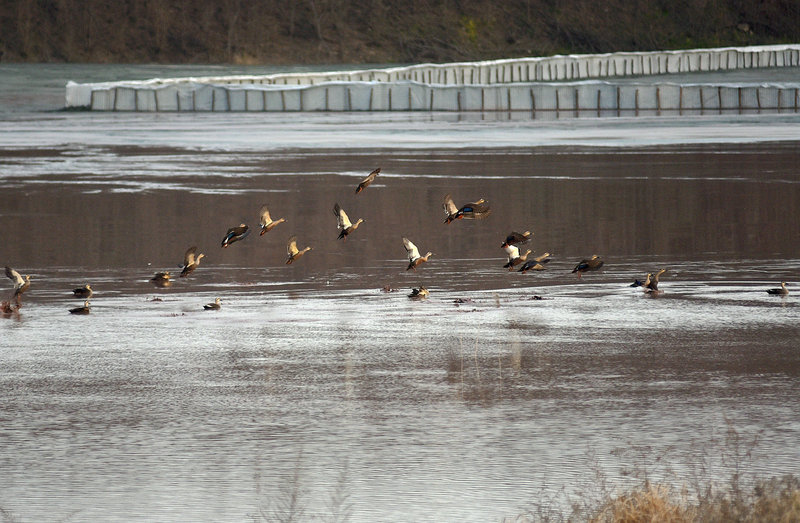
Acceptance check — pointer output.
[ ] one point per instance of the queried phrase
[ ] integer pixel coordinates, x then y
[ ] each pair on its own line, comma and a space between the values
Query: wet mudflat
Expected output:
312, 384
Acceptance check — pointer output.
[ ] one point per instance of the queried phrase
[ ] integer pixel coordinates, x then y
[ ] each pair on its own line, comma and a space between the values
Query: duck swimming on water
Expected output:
266, 222
213, 306
651, 283
780, 291
419, 294
85, 309
161, 279
83, 292
343, 222
235, 234
368, 180
414, 259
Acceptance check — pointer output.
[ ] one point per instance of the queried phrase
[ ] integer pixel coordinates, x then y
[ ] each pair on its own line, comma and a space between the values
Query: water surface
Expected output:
312, 384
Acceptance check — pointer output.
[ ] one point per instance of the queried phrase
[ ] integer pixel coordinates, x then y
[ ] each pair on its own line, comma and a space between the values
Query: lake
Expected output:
314, 394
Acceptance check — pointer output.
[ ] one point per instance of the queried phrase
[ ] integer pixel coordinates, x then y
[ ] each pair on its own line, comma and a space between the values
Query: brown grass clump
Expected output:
646, 503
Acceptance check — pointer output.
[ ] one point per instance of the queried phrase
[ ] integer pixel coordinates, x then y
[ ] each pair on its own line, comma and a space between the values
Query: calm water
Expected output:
312, 384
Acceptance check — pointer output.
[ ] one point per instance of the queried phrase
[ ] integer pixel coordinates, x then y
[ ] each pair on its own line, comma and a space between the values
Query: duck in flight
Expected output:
190, 261
20, 284
368, 180
517, 238
292, 250
235, 234
592, 264
536, 264
414, 259
471, 211
343, 222
514, 257
266, 222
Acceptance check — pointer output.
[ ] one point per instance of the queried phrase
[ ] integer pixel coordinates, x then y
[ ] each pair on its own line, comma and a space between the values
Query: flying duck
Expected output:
414, 259
780, 291
293, 252
536, 264
235, 234
474, 210
368, 180
213, 306
20, 284
81, 310
266, 222
516, 238
592, 264
515, 258
343, 222
83, 292
419, 294
190, 261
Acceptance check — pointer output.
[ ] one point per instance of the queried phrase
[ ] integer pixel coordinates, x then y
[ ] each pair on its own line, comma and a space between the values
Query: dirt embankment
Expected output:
376, 31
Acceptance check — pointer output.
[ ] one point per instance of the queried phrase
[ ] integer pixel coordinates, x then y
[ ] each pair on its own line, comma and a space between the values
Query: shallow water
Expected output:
312, 384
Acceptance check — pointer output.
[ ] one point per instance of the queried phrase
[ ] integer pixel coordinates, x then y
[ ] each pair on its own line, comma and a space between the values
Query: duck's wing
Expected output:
411, 249
291, 247
14, 276
263, 216
518, 237
368, 180
544, 258
449, 206
341, 217
188, 257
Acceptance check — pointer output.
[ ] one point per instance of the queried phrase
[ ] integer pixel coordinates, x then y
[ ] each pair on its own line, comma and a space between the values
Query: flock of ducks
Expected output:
473, 210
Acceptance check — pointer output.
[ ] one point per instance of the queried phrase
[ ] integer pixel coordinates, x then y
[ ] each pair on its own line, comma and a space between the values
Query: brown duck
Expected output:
368, 180
414, 259
343, 222
293, 252
190, 261
266, 222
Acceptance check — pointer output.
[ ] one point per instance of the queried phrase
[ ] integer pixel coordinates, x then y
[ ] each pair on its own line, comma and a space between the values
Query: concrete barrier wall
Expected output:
500, 85
412, 96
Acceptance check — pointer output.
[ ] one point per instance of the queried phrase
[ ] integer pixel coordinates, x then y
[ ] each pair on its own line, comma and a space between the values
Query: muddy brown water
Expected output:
311, 384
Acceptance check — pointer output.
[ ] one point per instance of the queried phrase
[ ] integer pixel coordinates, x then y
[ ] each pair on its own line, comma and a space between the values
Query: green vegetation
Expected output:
376, 31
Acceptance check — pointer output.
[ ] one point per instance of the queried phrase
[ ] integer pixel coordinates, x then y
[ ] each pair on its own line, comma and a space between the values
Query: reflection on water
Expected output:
312, 384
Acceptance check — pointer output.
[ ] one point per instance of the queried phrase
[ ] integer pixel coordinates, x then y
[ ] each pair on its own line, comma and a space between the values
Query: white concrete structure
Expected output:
562, 83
